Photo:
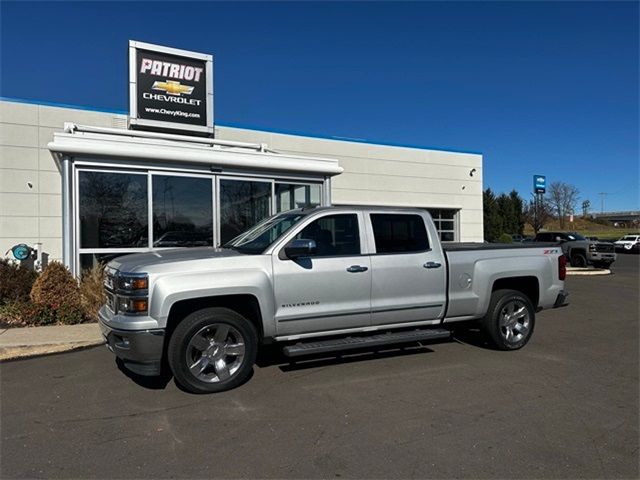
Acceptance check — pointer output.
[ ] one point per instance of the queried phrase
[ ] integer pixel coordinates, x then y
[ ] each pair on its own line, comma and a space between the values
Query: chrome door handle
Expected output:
357, 269
432, 265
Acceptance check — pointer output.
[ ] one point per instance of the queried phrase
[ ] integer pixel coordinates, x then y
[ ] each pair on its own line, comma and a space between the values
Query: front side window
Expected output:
334, 235
399, 233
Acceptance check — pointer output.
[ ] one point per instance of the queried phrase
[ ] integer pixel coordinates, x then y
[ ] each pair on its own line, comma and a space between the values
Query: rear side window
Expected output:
399, 233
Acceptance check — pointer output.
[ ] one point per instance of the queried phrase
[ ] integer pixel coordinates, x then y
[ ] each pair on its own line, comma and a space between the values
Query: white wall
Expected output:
374, 174
386, 175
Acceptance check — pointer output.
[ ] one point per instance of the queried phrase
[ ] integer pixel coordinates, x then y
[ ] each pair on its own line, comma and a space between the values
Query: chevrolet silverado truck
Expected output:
315, 281
579, 251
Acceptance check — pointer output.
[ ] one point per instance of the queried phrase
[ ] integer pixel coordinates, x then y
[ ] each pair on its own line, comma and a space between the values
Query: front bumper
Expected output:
601, 257
561, 299
140, 350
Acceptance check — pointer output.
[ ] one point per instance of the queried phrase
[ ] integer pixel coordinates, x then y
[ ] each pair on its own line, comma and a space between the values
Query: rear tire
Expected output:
212, 350
510, 320
578, 260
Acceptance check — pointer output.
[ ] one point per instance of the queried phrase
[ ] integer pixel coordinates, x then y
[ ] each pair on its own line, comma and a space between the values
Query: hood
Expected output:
138, 262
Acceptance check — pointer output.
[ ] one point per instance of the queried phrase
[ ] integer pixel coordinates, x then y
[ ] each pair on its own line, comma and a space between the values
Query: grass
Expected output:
587, 228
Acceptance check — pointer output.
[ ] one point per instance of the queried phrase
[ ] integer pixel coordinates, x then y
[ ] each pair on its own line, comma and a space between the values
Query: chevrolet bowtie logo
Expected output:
173, 88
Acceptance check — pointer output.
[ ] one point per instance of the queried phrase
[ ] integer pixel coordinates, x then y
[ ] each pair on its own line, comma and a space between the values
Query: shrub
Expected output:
57, 297
92, 291
505, 238
15, 282
22, 314
56, 286
68, 314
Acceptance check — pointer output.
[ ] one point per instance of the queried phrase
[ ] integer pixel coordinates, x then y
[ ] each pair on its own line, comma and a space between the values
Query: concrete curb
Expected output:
587, 271
36, 341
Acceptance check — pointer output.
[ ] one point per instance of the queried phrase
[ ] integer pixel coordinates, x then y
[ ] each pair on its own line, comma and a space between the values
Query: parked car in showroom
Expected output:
579, 251
630, 243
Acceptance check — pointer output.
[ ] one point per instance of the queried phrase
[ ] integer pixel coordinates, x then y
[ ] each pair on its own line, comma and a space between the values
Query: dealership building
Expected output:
88, 185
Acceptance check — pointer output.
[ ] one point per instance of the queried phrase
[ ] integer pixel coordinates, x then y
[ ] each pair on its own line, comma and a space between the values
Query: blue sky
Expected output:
541, 87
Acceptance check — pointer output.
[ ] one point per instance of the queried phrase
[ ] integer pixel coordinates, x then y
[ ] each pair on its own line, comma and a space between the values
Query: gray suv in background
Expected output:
580, 251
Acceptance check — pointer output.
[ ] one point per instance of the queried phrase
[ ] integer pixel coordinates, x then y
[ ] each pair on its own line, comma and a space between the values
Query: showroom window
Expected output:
446, 222
123, 212
292, 195
113, 210
182, 211
242, 205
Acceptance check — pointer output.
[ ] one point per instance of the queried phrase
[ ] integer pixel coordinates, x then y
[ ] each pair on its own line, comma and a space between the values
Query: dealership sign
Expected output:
170, 89
539, 183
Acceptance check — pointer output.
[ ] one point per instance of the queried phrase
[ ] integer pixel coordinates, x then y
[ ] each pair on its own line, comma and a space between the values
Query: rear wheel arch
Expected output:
527, 285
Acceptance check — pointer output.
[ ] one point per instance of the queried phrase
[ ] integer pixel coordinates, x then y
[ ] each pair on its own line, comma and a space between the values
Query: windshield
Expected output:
575, 236
629, 238
258, 238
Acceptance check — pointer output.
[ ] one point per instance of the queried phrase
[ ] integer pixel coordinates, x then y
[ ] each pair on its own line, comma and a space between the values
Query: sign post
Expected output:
170, 89
539, 189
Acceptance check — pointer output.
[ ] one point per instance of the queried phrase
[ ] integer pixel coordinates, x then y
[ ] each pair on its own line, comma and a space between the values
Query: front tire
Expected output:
578, 260
510, 320
212, 350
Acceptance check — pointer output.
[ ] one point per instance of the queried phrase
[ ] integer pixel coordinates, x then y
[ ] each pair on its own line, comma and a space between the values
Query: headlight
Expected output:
127, 293
133, 281
592, 247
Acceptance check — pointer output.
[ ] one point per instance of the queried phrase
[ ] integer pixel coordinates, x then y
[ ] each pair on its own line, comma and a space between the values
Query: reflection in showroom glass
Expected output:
182, 211
113, 210
242, 205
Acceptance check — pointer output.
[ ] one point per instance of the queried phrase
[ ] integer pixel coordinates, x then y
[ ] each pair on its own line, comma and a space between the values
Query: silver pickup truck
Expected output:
319, 280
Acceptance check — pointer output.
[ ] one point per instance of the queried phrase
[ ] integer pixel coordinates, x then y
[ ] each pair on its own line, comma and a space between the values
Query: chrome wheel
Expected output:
514, 321
215, 353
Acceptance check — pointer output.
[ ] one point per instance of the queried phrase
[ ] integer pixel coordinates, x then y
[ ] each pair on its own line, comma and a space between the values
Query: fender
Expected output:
172, 288
487, 272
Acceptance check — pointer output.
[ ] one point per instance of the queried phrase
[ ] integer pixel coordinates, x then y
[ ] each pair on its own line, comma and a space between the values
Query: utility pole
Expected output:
602, 196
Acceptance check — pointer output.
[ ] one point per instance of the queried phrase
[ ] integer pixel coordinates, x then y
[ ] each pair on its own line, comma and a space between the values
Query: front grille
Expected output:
111, 301
605, 247
110, 278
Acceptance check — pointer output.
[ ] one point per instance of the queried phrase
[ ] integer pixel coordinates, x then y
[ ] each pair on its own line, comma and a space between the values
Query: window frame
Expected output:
277, 249
85, 164
439, 218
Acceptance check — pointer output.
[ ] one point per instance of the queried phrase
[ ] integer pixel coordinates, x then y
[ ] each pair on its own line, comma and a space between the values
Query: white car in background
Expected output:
628, 243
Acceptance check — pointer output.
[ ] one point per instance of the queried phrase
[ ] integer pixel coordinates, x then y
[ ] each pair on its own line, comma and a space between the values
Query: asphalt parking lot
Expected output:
564, 406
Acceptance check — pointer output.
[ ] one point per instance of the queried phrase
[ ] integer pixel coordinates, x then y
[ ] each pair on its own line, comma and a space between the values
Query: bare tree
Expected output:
562, 198
537, 214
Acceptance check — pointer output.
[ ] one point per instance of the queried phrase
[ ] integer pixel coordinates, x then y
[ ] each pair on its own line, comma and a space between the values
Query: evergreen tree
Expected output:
492, 217
517, 208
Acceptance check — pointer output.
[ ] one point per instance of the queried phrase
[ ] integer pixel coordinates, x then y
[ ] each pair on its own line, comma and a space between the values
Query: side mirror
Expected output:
301, 247
560, 239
